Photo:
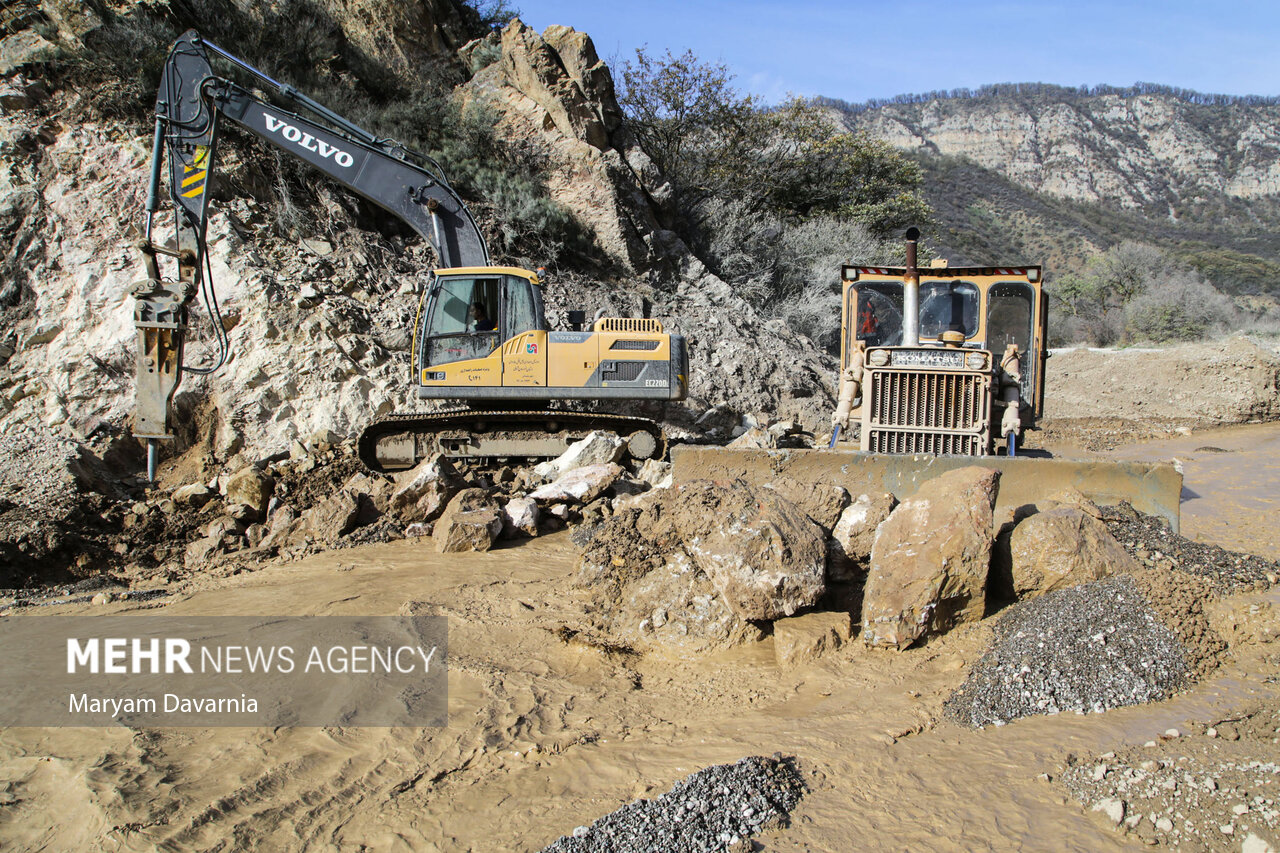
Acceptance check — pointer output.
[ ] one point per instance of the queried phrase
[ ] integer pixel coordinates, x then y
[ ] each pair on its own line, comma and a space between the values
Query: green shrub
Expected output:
1180, 307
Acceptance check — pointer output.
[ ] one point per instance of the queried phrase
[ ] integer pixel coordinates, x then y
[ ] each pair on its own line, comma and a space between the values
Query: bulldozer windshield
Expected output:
879, 313
948, 306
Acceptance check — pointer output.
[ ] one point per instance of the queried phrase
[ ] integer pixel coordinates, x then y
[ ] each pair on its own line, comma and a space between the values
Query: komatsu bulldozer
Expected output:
941, 368
481, 335
944, 360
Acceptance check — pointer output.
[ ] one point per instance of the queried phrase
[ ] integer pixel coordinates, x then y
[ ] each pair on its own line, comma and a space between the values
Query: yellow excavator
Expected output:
481, 335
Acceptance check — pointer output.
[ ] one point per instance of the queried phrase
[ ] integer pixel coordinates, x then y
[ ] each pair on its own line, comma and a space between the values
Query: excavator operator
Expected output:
480, 321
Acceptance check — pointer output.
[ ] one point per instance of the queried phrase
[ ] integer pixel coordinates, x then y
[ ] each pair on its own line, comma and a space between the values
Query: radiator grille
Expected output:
635, 345
926, 412
627, 324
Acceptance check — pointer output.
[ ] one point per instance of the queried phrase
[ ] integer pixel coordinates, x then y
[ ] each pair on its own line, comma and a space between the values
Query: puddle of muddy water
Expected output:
1231, 480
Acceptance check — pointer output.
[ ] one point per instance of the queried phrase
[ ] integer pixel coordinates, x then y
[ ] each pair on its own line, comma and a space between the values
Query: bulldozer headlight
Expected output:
878, 358
976, 361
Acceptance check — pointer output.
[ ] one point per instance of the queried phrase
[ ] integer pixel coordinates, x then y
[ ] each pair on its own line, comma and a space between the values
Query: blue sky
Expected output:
860, 50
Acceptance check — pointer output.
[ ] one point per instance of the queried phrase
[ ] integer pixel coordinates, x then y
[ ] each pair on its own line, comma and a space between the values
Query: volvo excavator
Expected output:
481, 335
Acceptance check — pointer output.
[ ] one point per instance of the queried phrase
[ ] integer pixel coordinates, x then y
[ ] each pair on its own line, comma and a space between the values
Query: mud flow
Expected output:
550, 728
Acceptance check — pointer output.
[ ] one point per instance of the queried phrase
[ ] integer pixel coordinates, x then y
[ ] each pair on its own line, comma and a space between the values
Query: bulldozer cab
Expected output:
989, 307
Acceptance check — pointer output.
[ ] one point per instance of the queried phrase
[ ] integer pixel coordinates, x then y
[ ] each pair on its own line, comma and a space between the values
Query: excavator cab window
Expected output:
462, 321
1009, 313
948, 306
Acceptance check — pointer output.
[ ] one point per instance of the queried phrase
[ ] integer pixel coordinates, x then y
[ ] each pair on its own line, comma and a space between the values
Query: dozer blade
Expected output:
1154, 488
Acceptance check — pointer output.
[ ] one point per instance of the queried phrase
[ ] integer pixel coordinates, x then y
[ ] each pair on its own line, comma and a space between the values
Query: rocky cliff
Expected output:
1051, 175
319, 318
1134, 151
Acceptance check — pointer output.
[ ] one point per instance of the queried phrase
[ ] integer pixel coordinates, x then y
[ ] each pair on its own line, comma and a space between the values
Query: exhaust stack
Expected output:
911, 293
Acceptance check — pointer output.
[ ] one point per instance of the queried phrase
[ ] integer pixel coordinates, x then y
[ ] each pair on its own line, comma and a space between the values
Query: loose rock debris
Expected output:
716, 809
1152, 543
1216, 788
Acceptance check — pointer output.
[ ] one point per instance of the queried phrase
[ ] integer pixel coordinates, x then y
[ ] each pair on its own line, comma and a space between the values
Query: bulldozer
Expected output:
481, 336
944, 361
940, 368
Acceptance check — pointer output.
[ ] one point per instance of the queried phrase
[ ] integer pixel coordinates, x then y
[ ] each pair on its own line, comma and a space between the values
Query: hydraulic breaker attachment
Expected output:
160, 316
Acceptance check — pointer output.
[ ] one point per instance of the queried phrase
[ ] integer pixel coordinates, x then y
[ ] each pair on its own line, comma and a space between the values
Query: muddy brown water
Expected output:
546, 734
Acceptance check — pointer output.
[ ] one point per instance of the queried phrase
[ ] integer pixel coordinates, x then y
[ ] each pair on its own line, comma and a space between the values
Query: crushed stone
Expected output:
1089, 648
1153, 544
717, 808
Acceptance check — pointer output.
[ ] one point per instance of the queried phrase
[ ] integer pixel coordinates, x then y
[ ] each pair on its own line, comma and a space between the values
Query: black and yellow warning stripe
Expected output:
193, 178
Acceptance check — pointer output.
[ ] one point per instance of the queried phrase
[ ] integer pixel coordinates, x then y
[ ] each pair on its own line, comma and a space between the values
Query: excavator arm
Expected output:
191, 103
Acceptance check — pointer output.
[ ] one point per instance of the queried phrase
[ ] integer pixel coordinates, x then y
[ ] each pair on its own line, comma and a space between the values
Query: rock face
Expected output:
1063, 547
1129, 150
849, 549
930, 560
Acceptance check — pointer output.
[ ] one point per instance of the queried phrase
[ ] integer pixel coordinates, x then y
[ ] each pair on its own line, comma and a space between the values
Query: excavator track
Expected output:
399, 441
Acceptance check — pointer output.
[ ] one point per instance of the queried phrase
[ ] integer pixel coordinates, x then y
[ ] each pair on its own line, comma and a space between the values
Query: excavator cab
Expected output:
466, 314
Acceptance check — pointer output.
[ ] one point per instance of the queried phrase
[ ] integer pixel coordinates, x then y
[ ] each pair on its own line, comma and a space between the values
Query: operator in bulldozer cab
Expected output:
869, 325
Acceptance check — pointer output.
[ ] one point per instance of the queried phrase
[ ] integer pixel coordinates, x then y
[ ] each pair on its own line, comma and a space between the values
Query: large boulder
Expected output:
341, 513
598, 448
471, 522
930, 560
520, 518
673, 606
194, 495
251, 487
582, 485
822, 502
849, 549
694, 565
1062, 547
764, 555
422, 492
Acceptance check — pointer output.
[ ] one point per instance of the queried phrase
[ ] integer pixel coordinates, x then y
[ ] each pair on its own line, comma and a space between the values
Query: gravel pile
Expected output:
1212, 789
716, 809
1152, 543
1088, 648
